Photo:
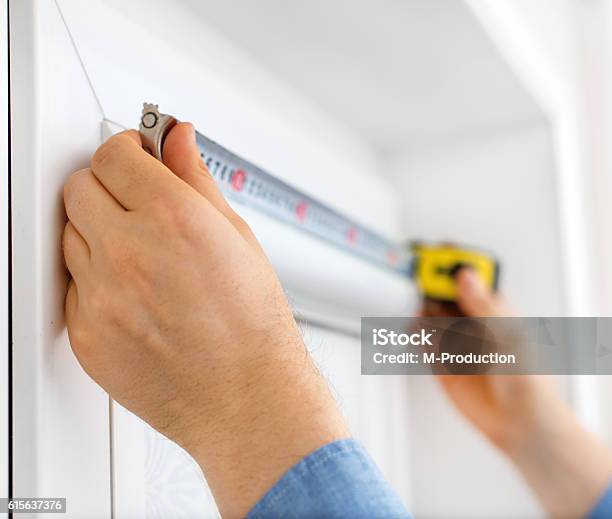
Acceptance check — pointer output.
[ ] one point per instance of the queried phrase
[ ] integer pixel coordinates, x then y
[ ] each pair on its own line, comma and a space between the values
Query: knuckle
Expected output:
109, 151
171, 217
67, 236
80, 338
78, 331
110, 310
74, 185
107, 311
68, 240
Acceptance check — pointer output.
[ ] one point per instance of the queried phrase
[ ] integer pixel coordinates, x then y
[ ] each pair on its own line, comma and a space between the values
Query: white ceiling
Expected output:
398, 73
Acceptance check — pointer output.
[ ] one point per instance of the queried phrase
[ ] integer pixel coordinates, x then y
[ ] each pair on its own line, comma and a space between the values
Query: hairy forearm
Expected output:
280, 411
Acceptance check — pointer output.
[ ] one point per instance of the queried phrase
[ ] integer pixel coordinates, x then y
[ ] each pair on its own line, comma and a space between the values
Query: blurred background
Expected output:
481, 122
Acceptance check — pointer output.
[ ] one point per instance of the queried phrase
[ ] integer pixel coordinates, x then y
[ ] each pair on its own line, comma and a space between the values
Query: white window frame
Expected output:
4, 259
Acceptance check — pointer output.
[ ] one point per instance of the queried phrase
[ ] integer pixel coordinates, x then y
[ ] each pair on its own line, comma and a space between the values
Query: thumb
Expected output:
474, 298
182, 156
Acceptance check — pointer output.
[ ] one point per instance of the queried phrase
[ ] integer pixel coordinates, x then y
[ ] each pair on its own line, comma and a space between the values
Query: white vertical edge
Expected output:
5, 343
129, 464
595, 19
561, 95
22, 84
561, 99
107, 129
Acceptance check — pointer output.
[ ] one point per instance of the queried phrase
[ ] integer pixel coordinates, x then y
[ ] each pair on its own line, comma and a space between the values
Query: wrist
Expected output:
536, 414
567, 467
273, 411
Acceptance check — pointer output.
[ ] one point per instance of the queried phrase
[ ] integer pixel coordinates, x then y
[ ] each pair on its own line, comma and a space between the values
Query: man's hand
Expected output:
175, 311
496, 405
566, 466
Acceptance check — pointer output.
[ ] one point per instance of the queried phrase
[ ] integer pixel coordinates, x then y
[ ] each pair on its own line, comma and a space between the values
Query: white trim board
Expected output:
60, 418
4, 254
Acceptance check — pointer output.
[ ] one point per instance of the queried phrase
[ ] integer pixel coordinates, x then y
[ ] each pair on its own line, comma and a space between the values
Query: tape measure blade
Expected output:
247, 184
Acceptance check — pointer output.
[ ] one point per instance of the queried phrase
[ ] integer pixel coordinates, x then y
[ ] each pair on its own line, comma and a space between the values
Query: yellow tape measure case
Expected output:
434, 269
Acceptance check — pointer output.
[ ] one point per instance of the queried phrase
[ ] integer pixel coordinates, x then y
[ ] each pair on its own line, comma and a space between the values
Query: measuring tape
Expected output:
433, 266
249, 185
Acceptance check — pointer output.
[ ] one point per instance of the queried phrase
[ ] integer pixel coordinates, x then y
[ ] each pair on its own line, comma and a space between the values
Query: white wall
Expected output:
497, 192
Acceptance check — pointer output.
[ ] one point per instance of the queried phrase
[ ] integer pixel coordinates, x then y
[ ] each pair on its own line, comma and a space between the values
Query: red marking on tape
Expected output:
392, 257
351, 235
300, 210
239, 179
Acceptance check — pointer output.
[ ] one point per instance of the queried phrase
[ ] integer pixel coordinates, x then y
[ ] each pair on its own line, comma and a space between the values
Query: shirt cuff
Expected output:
339, 480
603, 509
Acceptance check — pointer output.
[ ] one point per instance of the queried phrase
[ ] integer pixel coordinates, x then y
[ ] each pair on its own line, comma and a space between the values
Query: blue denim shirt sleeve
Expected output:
339, 480
603, 509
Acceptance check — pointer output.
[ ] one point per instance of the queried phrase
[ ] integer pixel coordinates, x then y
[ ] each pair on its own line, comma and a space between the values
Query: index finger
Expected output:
130, 174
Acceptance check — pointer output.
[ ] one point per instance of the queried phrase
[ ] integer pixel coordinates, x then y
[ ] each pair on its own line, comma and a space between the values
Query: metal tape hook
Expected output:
154, 127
